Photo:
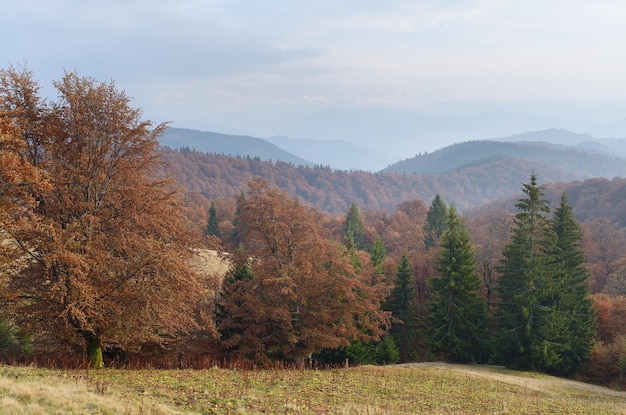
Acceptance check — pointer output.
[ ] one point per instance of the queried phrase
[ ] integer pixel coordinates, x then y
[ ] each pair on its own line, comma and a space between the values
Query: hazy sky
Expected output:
382, 73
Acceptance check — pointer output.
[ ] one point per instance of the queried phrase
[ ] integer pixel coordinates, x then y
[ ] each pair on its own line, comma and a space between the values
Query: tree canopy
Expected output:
435, 222
574, 317
545, 317
104, 246
524, 281
305, 294
353, 228
402, 305
458, 310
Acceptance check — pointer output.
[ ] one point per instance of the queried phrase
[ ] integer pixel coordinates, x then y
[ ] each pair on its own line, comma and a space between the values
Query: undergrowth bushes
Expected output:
606, 364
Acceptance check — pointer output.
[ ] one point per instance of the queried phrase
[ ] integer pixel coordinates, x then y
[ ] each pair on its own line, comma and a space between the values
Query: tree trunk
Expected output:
94, 351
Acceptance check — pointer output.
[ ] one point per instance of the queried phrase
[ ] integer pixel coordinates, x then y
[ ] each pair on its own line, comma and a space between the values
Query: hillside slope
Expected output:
228, 145
575, 163
592, 199
417, 388
208, 176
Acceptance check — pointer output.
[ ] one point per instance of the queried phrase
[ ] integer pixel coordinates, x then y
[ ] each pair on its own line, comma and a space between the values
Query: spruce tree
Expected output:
8, 334
458, 311
234, 292
378, 254
401, 304
353, 225
524, 287
212, 227
435, 222
574, 318
237, 225
351, 252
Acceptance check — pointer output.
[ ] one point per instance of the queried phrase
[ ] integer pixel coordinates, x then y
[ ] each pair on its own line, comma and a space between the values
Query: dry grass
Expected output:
31, 391
414, 389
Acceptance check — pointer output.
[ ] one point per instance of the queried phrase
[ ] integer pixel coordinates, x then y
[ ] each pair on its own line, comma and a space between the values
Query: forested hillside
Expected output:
592, 199
574, 163
208, 176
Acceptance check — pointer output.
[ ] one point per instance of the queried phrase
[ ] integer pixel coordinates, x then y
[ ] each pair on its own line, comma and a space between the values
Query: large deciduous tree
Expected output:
490, 232
103, 247
605, 245
302, 294
22, 114
458, 311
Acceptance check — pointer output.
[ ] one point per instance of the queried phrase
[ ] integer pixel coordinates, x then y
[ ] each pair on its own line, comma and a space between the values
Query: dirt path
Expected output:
539, 382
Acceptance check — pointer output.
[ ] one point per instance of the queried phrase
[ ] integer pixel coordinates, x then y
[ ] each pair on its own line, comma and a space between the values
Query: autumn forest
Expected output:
106, 235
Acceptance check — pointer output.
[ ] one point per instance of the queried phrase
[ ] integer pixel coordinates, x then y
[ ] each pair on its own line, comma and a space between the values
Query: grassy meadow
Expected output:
403, 389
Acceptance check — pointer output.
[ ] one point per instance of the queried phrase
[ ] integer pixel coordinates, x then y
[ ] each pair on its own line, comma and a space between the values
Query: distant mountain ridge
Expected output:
468, 174
576, 162
551, 135
585, 141
343, 155
338, 154
228, 145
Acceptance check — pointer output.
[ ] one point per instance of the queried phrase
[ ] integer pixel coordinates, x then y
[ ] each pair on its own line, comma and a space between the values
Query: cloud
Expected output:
268, 64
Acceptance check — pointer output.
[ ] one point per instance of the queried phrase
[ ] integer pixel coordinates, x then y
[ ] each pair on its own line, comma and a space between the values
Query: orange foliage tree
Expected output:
490, 233
299, 292
605, 247
103, 249
611, 317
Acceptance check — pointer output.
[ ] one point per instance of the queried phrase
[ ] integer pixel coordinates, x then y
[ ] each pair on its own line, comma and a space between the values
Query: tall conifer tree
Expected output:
212, 227
435, 222
401, 303
354, 226
458, 312
574, 318
378, 254
524, 287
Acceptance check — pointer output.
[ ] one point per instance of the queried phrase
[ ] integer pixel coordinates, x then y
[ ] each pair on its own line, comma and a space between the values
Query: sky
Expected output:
400, 76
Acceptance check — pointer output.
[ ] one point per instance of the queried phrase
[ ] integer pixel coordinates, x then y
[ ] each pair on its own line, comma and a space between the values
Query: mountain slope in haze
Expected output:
552, 136
614, 146
229, 145
208, 177
576, 163
337, 154
610, 145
